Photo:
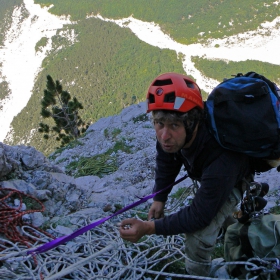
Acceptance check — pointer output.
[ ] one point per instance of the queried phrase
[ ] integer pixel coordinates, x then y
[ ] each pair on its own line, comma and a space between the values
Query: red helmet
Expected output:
173, 91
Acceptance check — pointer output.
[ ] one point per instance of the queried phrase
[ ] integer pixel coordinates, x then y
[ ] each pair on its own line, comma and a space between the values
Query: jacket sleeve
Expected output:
167, 168
217, 181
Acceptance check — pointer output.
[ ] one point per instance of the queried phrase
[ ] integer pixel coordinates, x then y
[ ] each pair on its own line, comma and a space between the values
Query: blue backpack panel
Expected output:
243, 114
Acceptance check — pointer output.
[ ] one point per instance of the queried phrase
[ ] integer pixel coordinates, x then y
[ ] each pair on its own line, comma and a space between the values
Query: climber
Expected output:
178, 116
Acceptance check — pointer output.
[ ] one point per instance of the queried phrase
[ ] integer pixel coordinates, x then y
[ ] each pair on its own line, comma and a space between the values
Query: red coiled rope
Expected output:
11, 216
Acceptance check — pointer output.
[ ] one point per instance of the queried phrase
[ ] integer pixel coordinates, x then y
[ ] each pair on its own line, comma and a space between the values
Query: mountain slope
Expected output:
72, 203
185, 21
107, 68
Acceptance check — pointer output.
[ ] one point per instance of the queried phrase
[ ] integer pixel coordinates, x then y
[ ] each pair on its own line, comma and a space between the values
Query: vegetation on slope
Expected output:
58, 105
6, 11
219, 70
7, 7
185, 21
108, 69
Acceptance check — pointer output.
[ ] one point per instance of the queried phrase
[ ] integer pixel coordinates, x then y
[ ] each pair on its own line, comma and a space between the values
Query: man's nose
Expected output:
165, 133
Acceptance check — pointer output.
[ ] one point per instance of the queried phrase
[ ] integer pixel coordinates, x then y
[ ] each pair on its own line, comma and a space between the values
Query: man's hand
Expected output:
133, 229
156, 210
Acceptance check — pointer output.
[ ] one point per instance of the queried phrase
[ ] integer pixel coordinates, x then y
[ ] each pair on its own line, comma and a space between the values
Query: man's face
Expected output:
170, 134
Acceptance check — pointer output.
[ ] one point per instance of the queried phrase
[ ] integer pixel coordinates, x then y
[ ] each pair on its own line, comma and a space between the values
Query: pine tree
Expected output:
57, 104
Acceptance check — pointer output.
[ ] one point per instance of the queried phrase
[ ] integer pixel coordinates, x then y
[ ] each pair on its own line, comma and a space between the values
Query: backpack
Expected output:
256, 240
243, 115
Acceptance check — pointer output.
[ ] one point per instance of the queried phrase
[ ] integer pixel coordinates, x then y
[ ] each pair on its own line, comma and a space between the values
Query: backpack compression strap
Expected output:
272, 86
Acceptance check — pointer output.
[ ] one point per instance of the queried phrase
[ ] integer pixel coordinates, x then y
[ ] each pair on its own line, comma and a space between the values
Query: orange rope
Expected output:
11, 217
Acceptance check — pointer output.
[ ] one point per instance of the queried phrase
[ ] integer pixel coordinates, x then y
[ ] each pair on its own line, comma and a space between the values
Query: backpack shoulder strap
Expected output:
208, 154
210, 151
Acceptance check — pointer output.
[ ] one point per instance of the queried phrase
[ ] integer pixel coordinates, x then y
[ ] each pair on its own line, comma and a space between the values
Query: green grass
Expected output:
141, 118
31, 203
275, 210
98, 165
219, 250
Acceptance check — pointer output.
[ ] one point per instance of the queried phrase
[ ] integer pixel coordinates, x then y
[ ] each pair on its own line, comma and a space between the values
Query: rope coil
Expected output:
101, 254
11, 217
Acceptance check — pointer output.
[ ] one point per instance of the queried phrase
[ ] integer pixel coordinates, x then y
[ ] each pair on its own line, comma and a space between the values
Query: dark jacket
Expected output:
217, 179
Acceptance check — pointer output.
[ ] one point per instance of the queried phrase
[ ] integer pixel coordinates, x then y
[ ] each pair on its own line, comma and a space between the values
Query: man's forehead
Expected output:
168, 119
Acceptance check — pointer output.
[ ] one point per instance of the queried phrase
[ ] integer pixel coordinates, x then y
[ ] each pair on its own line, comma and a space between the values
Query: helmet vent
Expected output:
163, 82
169, 97
189, 85
151, 98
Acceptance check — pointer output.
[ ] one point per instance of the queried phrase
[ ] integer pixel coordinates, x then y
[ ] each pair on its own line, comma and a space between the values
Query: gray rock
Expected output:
5, 166
43, 195
37, 219
19, 185
63, 178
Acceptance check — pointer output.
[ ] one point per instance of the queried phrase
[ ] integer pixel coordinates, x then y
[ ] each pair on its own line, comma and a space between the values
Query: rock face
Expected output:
25, 169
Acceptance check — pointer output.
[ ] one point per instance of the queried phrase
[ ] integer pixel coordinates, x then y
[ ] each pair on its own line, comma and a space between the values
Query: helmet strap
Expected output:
189, 131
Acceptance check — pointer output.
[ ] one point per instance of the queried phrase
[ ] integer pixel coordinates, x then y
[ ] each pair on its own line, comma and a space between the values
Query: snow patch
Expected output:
20, 62
261, 45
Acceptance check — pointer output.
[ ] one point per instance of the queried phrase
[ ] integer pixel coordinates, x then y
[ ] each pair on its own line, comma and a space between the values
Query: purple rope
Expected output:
61, 240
